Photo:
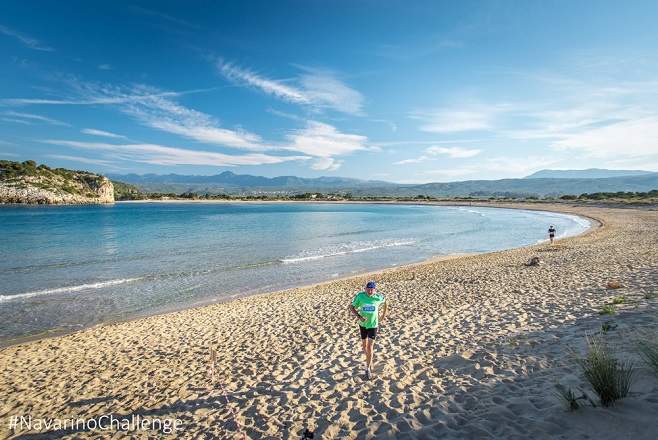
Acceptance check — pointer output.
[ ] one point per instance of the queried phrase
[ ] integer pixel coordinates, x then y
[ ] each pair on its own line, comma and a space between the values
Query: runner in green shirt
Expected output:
366, 308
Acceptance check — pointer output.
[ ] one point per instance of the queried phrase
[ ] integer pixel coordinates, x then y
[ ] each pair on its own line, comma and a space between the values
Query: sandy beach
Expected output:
472, 348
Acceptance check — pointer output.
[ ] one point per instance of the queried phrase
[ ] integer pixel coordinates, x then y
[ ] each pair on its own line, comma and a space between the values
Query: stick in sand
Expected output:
213, 363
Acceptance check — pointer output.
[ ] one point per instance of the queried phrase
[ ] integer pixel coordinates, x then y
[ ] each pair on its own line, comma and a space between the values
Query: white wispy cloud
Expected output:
275, 88
324, 140
285, 115
508, 166
161, 155
416, 160
16, 121
86, 160
323, 88
453, 152
326, 163
88, 99
6, 154
26, 40
588, 117
315, 87
635, 138
156, 109
391, 124
435, 150
32, 117
38, 101
160, 110
454, 120
94, 132
595, 112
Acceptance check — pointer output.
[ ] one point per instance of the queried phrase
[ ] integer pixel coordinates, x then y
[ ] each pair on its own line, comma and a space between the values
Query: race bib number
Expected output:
369, 308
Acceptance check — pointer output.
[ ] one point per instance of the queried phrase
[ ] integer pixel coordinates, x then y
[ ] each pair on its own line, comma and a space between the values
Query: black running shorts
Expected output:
368, 332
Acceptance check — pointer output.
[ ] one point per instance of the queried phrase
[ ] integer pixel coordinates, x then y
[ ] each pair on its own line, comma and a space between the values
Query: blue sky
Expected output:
403, 91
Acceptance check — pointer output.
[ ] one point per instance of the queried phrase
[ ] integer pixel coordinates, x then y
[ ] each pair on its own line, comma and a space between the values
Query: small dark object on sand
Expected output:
534, 261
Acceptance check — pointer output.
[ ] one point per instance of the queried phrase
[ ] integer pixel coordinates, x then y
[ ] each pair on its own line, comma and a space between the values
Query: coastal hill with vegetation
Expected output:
29, 183
25, 182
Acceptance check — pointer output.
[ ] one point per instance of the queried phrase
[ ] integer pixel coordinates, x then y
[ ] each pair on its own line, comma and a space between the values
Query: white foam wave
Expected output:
584, 223
349, 248
471, 211
66, 289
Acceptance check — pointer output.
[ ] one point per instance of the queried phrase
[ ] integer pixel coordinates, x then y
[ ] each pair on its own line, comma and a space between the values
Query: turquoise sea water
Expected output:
68, 267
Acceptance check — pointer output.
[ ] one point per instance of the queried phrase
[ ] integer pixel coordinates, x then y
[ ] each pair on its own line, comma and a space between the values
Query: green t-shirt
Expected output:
368, 307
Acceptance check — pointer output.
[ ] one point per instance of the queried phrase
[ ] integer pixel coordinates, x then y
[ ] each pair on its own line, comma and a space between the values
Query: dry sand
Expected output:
472, 348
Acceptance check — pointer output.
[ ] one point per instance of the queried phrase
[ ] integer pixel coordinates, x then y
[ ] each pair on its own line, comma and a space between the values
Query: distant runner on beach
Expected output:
551, 233
366, 308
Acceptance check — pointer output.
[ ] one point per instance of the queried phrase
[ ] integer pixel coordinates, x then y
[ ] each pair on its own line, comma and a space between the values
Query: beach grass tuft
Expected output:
620, 300
609, 374
607, 310
607, 327
569, 397
647, 348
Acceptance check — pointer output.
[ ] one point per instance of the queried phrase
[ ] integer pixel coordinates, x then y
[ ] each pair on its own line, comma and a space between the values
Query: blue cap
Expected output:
370, 285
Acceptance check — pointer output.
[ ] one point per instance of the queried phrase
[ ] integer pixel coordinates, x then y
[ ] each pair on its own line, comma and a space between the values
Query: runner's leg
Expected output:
368, 348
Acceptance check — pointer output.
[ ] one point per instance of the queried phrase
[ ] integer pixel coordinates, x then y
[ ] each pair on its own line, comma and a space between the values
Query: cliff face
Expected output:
44, 186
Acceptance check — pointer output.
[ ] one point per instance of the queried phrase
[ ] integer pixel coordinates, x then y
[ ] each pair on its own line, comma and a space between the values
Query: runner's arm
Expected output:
384, 310
356, 313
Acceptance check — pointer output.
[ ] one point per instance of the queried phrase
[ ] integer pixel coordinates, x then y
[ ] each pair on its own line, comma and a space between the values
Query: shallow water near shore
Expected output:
70, 267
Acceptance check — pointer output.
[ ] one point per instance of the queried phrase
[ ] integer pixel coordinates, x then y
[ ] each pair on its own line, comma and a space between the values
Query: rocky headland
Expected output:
27, 183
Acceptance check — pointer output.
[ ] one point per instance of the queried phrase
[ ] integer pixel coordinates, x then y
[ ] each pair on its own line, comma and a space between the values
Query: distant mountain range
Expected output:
246, 180
592, 173
541, 187
545, 183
